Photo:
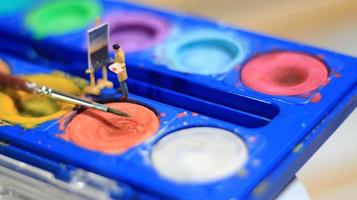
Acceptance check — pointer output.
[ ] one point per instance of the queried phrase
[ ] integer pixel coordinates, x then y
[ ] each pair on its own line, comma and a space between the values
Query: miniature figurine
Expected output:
119, 67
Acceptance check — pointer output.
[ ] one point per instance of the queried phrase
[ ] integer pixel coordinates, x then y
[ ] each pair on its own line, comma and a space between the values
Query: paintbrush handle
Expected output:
72, 99
17, 83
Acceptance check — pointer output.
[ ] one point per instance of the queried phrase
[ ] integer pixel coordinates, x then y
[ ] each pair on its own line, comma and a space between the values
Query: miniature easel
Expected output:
94, 88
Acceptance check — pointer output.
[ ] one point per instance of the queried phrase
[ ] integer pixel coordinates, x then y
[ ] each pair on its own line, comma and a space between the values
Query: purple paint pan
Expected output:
137, 31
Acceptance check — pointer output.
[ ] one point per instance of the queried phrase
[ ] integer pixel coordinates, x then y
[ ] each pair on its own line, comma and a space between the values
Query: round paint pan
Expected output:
109, 133
59, 17
137, 31
199, 155
284, 73
8, 8
204, 52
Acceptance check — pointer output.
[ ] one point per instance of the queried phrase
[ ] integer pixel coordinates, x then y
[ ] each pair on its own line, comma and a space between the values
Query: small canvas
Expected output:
98, 50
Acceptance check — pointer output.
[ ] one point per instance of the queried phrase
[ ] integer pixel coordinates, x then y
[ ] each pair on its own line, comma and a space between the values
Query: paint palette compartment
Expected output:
202, 79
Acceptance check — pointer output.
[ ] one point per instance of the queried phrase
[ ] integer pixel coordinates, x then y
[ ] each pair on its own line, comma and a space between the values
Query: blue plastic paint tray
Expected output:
192, 66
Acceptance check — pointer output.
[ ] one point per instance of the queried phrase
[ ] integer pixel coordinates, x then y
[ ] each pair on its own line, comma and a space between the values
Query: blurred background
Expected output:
332, 172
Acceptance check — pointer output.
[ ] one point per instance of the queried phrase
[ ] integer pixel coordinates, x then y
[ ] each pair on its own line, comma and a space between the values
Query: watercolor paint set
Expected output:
216, 112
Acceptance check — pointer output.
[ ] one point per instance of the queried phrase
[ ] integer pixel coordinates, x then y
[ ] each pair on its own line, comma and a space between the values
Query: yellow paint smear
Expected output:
4, 68
16, 105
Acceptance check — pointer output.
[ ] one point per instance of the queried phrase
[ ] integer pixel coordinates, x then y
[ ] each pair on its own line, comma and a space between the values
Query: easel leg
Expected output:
92, 79
92, 88
104, 82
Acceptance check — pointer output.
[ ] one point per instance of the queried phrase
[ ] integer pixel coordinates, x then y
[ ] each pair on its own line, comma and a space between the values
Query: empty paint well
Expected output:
284, 73
204, 52
137, 31
199, 154
13, 6
55, 18
109, 133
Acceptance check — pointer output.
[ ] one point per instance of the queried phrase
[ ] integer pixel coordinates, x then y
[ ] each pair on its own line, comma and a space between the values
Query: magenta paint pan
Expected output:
284, 73
137, 31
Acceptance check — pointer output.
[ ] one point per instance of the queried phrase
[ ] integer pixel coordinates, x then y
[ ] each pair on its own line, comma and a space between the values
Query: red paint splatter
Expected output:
337, 75
316, 98
163, 114
183, 114
194, 114
321, 56
252, 139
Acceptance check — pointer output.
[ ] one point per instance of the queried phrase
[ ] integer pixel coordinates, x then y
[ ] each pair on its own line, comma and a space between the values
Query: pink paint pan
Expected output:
284, 73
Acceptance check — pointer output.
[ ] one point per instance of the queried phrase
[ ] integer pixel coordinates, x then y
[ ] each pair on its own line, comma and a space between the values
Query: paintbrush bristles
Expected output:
117, 112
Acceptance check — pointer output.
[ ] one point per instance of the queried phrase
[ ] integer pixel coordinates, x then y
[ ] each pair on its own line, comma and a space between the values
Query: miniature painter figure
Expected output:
119, 67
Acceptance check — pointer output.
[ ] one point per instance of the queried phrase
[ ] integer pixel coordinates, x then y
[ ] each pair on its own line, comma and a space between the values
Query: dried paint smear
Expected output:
29, 110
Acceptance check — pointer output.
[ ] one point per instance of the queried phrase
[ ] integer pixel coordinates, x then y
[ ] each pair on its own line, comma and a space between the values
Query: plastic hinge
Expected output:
22, 181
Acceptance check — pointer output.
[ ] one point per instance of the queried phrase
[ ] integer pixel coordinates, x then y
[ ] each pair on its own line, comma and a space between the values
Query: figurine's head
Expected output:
116, 47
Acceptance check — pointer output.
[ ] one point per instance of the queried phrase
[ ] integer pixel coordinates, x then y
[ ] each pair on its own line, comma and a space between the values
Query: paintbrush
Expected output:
17, 83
